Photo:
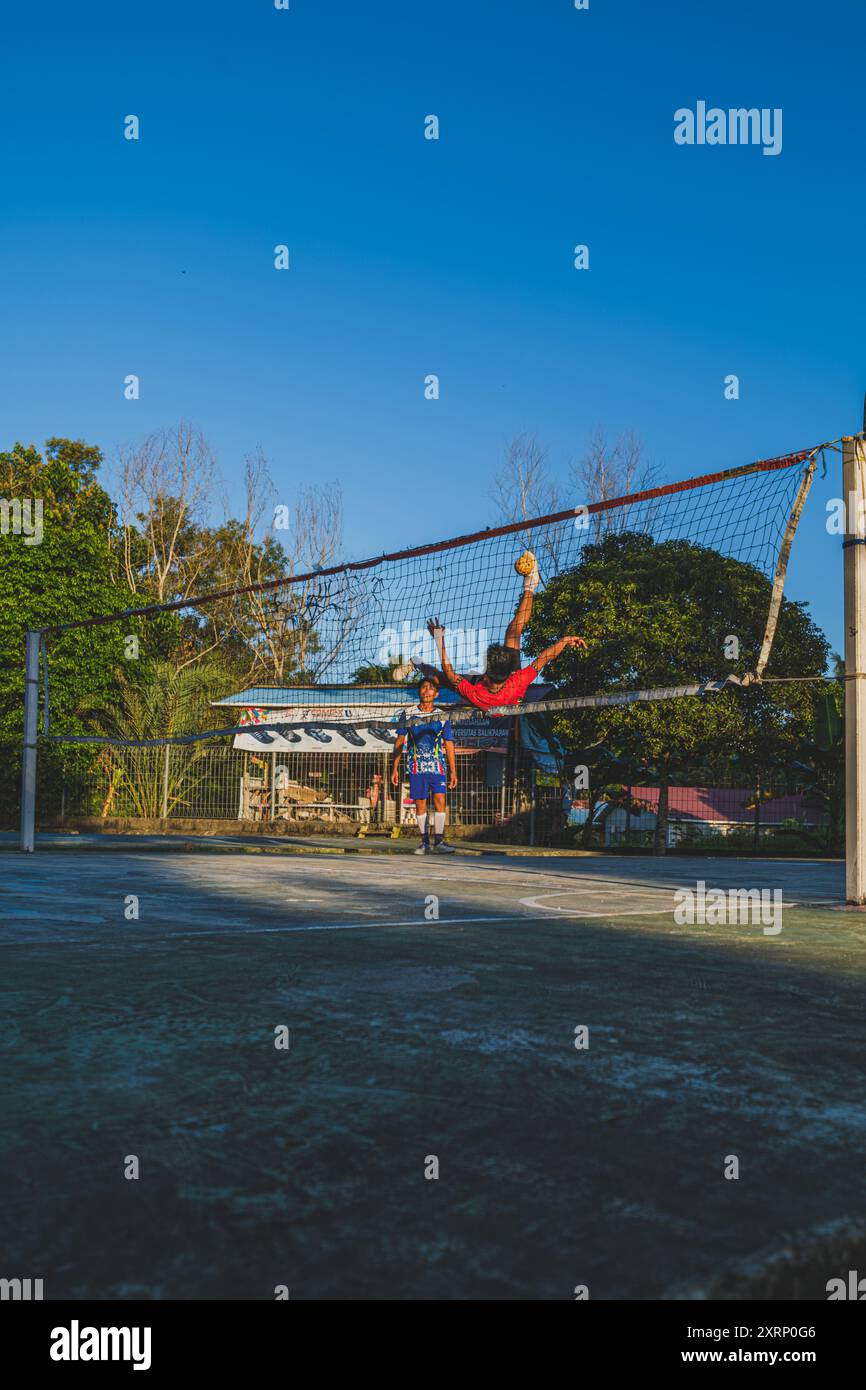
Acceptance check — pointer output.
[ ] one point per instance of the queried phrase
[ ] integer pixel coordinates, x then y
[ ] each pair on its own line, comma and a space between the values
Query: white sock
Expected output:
439, 824
422, 824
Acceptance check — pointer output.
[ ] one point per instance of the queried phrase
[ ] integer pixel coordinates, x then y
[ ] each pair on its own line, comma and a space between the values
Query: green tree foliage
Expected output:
660, 614
72, 573
170, 703
375, 675
156, 546
823, 754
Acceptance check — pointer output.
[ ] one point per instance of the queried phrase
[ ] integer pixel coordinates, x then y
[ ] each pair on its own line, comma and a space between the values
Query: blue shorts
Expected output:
425, 784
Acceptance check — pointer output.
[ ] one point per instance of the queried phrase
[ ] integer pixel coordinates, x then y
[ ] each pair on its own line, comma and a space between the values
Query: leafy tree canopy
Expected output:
70, 573
661, 614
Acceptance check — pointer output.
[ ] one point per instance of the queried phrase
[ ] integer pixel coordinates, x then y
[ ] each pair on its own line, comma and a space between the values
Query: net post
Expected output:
854, 552
28, 761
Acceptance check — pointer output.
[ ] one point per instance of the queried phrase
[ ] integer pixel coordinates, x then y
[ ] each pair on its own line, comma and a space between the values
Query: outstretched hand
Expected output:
436, 629
575, 642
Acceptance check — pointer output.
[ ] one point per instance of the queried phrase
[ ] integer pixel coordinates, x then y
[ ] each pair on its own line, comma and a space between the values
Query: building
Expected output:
705, 811
333, 764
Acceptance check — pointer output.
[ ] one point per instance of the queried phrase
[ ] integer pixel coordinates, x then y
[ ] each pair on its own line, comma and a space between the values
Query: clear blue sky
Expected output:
408, 256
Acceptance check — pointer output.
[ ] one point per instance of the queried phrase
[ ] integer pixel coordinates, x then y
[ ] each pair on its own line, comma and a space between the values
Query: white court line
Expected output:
550, 915
536, 900
332, 926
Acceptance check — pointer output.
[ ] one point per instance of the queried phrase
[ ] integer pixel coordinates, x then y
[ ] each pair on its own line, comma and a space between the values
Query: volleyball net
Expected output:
202, 667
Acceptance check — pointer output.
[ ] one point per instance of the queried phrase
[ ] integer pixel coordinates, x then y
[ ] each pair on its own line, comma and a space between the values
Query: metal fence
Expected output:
503, 793
218, 782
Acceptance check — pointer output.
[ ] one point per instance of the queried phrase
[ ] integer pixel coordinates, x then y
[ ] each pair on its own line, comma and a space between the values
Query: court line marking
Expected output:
550, 915
360, 873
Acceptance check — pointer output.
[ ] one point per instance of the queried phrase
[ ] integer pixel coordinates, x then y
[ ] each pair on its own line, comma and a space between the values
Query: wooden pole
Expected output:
854, 552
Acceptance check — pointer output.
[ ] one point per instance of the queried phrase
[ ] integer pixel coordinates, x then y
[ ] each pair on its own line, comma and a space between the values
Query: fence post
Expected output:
28, 760
165, 782
532, 808
854, 552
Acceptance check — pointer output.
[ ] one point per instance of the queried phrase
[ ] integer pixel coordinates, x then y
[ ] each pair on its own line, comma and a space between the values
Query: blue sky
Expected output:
455, 257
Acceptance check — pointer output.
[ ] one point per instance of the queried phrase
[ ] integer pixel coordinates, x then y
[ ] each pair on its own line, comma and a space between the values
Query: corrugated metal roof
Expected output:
290, 696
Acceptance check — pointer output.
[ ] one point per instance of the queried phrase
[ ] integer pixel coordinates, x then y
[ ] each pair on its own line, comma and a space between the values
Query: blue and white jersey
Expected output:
426, 732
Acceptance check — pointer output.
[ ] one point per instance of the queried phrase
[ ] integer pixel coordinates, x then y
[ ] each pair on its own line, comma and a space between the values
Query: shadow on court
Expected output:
411, 1038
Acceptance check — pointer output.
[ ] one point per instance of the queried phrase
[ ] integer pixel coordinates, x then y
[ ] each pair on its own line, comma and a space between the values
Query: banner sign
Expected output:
332, 729
482, 731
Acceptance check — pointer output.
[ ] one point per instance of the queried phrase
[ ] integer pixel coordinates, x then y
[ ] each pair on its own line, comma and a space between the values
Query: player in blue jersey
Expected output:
429, 742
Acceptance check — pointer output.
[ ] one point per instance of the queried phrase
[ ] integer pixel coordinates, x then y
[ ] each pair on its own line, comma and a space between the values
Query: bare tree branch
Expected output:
522, 490
166, 486
612, 470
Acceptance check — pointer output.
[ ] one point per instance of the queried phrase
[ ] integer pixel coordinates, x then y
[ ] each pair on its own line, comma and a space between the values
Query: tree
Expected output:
822, 753
524, 489
659, 615
293, 631
375, 675
72, 573
242, 551
172, 552
607, 471
166, 489
170, 703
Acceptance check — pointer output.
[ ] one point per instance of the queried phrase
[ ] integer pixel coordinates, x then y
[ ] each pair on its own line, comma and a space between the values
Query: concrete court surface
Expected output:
413, 1037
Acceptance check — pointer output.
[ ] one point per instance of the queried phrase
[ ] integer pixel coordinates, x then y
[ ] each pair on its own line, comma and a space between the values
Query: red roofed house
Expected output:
710, 811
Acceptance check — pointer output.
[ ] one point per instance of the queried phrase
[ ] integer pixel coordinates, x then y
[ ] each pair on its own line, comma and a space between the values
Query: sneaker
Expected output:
383, 734
423, 848
403, 671
352, 736
288, 734
440, 847
318, 734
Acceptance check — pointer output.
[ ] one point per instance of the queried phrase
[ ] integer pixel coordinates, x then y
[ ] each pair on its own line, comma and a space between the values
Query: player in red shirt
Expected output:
503, 682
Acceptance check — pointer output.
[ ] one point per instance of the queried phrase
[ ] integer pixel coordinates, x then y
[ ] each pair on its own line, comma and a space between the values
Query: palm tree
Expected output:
161, 703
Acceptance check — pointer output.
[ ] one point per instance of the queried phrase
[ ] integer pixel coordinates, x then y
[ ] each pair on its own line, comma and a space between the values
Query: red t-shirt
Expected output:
511, 693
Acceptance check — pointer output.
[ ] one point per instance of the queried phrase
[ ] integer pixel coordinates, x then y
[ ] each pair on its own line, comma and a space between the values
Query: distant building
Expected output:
702, 810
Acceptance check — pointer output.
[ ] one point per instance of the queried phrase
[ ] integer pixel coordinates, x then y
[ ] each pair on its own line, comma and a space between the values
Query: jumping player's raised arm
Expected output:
437, 632
552, 652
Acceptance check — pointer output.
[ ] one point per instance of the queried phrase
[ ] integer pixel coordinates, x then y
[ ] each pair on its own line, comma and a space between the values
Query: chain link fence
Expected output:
501, 796
220, 783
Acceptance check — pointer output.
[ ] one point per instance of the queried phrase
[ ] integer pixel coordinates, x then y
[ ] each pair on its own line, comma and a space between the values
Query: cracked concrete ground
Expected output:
414, 1036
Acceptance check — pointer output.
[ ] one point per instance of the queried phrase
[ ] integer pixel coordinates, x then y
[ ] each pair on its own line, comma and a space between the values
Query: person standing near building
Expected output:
429, 743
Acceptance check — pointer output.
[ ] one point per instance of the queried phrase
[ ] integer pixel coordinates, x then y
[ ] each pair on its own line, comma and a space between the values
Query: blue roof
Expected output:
290, 696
